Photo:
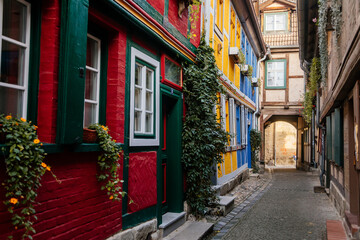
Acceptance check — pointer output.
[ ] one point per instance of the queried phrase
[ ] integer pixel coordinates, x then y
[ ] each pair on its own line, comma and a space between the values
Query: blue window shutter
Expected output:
243, 131
238, 126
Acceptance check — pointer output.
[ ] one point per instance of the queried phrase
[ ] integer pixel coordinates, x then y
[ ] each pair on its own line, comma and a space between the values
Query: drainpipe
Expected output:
257, 112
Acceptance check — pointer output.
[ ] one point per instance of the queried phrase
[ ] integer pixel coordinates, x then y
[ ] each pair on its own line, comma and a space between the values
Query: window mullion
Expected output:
143, 99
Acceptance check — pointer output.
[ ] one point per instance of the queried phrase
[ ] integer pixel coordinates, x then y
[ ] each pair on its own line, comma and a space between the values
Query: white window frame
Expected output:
96, 70
246, 125
223, 111
232, 121
138, 141
25, 45
243, 123
275, 15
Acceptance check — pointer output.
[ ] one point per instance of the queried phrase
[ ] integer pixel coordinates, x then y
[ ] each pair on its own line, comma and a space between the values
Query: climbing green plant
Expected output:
194, 9
336, 19
255, 142
204, 140
109, 163
312, 86
24, 168
322, 34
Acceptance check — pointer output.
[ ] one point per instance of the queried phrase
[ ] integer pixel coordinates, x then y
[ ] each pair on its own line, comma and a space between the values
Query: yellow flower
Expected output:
115, 140
23, 119
13, 200
194, 35
16, 228
8, 117
36, 141
111, 197
48, 168
41, 144
43, 165
36, 127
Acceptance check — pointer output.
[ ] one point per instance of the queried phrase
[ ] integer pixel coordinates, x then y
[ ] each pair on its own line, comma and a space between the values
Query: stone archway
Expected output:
280, 144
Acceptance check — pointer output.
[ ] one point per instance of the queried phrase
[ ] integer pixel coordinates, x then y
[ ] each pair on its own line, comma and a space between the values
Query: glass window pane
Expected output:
149, 79
14, 20
172, 72
90, 114
137, 97
11, 101
12, 63
148, 123
280, 22
91, 85
269, 66
137, 121
92, 53
270, 23
138, 75
149, 101
279, 80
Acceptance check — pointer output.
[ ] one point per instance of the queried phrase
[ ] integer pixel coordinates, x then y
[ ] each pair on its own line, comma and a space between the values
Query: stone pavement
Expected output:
281, 205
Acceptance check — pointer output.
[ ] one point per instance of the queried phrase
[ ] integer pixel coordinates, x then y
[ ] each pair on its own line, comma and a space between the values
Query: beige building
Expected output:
282, 87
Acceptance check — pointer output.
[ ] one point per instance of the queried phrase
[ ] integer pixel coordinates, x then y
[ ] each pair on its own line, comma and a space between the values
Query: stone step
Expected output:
171, 221
226, 204
191, 230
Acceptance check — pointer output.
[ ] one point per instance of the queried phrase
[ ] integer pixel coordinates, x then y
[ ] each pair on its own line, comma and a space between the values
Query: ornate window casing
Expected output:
171, 72
144, 99
92, 81
14, 57
275, 74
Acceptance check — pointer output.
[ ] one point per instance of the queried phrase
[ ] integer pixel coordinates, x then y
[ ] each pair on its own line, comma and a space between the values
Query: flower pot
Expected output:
89, 136
244, 68
2, 135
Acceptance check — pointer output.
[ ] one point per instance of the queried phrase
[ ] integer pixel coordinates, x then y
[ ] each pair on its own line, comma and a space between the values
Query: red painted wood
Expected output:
180, 23
142, 180
49, 69
159, 5
166, 81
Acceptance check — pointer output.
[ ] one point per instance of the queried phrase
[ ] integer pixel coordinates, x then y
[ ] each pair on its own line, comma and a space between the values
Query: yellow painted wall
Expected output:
218, 47
234, 160
226, 15
227, 163
226, 57
237, 76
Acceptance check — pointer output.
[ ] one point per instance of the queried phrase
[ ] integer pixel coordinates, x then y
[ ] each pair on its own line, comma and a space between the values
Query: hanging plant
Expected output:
242, 59
24, 169
323, 51
336, 19
250, 71
109, 163
203, 138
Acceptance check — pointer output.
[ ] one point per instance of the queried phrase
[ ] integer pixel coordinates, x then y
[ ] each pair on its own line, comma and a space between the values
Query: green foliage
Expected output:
323, 50
242, 58
314, 82
194, 10
250, 71
204, 140
255, 142
109, 163
336, 19
24, 169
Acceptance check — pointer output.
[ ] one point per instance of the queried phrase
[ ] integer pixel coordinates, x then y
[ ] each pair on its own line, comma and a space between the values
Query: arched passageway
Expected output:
280, 144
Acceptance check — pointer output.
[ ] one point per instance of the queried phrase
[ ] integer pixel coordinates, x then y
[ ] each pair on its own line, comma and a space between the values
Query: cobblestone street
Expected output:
277, 205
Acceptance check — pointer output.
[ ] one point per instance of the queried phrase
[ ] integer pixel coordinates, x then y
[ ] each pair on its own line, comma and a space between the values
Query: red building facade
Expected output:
117, 63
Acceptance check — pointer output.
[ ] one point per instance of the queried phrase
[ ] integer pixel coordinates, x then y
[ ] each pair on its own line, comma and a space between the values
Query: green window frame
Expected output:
275, 28
276, 74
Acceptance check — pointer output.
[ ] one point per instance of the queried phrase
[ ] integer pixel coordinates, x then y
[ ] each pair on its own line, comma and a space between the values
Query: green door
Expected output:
171, 181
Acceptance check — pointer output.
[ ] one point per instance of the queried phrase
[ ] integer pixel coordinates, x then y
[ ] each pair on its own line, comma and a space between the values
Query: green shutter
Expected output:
328, 138
338, 137
74, 19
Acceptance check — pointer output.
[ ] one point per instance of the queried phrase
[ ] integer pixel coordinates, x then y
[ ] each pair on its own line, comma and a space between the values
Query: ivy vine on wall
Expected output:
336, 19
204, 140
312, 86
323, 51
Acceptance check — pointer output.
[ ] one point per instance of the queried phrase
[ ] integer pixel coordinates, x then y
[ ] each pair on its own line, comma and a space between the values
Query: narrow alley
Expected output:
286, 208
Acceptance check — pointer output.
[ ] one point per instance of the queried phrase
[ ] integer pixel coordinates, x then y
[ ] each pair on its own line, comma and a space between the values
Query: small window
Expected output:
171, 73
144, 102
275, 22
276, 74
92, 81
14, 57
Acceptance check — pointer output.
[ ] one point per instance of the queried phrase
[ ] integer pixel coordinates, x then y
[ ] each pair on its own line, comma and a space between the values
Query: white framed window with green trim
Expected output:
275, 74
144, 99
14, 57
275, 22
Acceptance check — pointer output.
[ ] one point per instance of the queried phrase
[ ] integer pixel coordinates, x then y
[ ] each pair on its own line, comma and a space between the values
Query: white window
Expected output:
246, 120
14, 56
144, 103
243, 124
92, 81
232, 122
223, 111
275, 21
276, 74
